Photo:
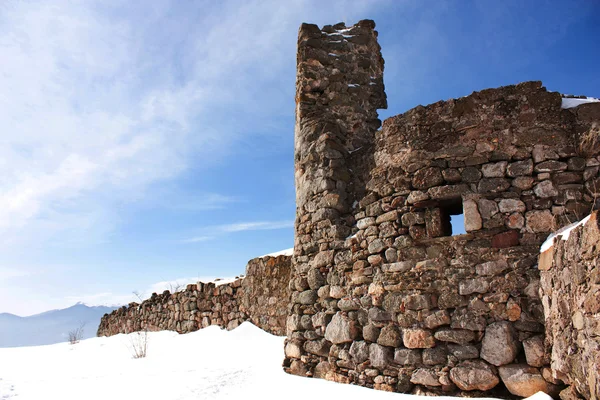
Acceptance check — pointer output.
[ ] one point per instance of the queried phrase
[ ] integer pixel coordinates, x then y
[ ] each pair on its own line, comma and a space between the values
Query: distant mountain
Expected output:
51, 326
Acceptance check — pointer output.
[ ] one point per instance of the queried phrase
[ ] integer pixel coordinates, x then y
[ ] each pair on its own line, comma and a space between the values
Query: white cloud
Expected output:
197, 239
97, 104
103, 103
238, 227
255, 226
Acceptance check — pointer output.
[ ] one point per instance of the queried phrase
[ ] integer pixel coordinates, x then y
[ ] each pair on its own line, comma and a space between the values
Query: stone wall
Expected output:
570, 281
265, 294
261, 297
382, 294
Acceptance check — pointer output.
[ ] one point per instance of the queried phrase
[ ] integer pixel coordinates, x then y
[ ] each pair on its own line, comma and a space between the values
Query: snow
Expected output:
562, 233
286, 252
223, 281
208, 364
570, 102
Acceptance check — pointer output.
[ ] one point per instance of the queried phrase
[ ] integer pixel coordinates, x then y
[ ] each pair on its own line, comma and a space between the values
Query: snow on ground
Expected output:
571, 102
208, 364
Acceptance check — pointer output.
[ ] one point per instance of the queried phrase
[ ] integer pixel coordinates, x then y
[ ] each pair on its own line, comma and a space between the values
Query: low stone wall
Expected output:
262, 297
265, 293
570, 285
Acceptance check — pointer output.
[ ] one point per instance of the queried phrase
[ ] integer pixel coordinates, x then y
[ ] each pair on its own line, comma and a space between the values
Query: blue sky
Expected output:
150, 141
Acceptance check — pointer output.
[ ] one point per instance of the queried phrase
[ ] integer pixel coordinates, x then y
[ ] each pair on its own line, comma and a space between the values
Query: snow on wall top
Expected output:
571, 102
286, 252
562, 233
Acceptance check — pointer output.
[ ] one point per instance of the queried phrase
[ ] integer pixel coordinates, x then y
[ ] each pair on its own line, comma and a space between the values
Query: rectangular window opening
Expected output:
454, 222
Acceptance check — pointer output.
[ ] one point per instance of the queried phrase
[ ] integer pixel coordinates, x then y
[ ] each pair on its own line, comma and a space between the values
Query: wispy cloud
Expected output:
197, 239
255, 226
219, 230
101, 113
97, 107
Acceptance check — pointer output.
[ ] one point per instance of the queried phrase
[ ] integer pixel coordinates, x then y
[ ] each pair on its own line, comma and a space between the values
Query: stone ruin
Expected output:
261, 297
382, 293
379, 291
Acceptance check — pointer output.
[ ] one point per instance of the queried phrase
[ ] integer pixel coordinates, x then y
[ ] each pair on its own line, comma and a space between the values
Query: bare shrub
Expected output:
76, 334
139, 344
589, 142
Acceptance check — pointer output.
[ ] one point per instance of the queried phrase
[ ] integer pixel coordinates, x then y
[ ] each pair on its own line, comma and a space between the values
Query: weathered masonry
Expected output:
382, 294
570, 281
261, 297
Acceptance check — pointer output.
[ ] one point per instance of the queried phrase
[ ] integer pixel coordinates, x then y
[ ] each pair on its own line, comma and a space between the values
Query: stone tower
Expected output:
383, 294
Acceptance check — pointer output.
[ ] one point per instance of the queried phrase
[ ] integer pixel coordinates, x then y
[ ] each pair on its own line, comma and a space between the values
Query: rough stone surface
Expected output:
417, 338
571, 300
535, 353
523, 380
474, 375
473, 219
499, 344
341, 329
380, 356
261, 297
425, 377
375, 204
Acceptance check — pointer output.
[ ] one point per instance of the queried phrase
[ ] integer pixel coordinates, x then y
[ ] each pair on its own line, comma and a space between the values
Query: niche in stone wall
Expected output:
445, 219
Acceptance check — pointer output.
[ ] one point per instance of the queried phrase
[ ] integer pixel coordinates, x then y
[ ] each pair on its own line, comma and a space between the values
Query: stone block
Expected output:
426, 178
523, 380
545, 189
438, 318
473, 221
415, 338
494, 170
505, 239
520, 168
474, 375
470, 286
491, 268
448, 192
359, 350
341, 329
499, 345
535, 352
463, 352
425, 377
511, 206
413, 218
408, 357
539, 221
390, 335
435, 356
493, 185
459, 336
380, 356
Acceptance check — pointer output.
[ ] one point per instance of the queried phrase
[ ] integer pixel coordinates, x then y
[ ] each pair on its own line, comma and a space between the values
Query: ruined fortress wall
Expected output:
261, 297
382, 294
265, 293
570, 282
